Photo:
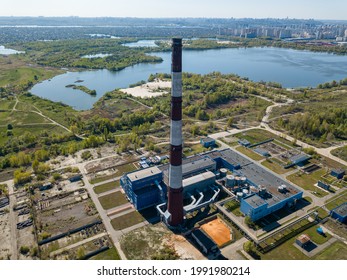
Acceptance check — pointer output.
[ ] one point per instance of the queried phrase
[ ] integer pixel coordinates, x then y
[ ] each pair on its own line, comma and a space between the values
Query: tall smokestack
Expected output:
175, 196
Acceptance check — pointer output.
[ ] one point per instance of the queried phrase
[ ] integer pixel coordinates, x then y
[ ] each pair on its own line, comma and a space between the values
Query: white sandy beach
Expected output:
151, 89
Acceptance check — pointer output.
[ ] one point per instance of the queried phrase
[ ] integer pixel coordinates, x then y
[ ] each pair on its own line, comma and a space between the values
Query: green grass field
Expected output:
106, 187
337, 200
307, 181
341, 153
110, 254
6, 104
19, 118
127, 220
259, 135
249, 153
337, 251
275, 167
112, 200
316, 237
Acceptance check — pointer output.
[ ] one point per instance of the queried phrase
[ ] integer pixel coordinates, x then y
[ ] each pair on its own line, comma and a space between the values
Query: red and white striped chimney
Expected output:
175, 196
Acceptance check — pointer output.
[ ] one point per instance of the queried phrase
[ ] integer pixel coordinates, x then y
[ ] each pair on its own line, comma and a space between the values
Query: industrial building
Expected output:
260, 192
208, 142
143, 187
340, 213
338, 173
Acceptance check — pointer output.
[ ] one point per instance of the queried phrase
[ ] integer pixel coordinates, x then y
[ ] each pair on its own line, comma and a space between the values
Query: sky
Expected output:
303, 9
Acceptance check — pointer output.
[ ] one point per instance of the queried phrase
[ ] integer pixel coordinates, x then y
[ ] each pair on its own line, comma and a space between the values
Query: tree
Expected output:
230, 122
9, 126
35, 165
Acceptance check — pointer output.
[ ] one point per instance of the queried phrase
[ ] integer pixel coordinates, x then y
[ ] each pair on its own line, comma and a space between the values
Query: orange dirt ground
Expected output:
218, 231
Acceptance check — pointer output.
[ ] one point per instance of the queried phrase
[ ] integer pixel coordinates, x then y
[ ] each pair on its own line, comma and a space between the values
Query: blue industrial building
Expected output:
257, 206
323, 185
338, 173
208, 142
143, 187
272, 192
340, 213
263, 192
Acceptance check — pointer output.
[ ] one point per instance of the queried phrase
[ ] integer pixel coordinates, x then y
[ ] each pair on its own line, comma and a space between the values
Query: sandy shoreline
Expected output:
150, 89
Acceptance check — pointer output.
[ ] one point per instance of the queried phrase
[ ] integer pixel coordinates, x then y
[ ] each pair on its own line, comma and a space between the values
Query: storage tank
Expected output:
230, 181
237, 180
253, 189
243, 180
223, 172
239, 195
245, 192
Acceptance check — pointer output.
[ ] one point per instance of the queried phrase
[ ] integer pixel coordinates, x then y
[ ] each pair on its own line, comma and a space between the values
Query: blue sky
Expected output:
317, 9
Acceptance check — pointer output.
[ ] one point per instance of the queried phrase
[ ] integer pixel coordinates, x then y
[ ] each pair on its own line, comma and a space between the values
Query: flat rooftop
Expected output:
259, 176
143, 173
198, 178
190, 165
341, 210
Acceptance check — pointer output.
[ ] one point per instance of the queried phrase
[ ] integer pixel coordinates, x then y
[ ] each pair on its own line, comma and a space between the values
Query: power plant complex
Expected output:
187, 185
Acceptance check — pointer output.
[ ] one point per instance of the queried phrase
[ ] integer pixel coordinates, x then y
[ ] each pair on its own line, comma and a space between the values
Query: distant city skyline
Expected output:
301, 9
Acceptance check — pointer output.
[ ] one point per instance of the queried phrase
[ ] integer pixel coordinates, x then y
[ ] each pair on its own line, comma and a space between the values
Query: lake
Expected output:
291, 68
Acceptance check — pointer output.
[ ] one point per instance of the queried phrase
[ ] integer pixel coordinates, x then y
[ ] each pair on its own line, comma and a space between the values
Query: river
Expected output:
291, 68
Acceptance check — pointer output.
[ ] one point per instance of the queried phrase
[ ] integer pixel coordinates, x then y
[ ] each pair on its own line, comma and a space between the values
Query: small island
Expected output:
91, 92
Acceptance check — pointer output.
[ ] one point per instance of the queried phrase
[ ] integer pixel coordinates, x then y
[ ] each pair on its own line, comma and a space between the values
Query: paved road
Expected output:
230, 251
115, 235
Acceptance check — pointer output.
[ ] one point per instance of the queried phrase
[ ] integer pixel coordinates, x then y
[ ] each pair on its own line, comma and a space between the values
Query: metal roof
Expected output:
198, 178
341, 210
144, 173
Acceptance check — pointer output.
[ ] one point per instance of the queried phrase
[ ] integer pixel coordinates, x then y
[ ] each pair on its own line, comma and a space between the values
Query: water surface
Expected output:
291, 68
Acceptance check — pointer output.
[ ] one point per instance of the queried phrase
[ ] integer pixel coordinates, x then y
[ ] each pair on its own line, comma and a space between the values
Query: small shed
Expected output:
244, 142
338, 173
303, 240
208, 142
262, 152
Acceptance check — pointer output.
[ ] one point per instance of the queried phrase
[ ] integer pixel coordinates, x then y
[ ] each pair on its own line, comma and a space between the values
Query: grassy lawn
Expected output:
6, 104
275, 167
106, 187
112, 200
255, 135
249, 153
127, 220
315, 236
25, 74
286, 251
125, 168
337, 228
307, 181
337, 251
110, 254
18, 118
193, 149
101, 179
340, 152
258, 135
337, 200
